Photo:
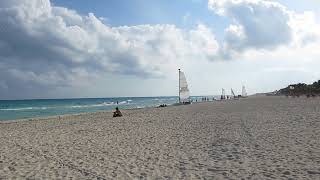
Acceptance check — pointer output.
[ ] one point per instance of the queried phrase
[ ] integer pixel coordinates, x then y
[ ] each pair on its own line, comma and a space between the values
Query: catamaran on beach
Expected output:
184, 94
233, 94
244, 92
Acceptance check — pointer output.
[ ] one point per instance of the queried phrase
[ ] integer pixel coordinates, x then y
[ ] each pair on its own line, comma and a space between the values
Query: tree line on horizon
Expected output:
301, 89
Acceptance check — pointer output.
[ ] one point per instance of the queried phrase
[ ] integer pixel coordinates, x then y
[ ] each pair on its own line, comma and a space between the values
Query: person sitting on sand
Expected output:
117, 113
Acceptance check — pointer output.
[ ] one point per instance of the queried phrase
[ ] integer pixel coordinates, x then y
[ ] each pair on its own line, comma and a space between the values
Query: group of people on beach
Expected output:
163, 105
204, 99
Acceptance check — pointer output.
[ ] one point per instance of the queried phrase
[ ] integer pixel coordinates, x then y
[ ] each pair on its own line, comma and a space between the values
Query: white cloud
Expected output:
305, 27
256, 23
52, 46
44, 47
262, 25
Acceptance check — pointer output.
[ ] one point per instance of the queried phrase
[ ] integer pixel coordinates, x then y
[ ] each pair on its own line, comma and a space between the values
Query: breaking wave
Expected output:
24, 109
68, 106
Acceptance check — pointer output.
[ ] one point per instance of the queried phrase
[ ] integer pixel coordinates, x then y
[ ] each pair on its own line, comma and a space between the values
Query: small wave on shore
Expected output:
102, 104
92, 105
68, 106
24, 109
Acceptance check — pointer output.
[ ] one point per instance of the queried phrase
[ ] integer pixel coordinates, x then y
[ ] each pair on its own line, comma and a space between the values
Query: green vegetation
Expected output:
301, 89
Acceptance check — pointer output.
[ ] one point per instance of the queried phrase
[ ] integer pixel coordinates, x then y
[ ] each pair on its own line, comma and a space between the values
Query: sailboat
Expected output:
244, 92
184, 94
233, 94
223, 94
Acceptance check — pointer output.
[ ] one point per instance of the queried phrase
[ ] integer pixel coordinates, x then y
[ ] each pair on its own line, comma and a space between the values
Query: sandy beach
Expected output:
252, 138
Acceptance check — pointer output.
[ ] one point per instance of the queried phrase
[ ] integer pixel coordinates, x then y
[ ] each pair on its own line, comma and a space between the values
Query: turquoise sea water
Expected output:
21, 109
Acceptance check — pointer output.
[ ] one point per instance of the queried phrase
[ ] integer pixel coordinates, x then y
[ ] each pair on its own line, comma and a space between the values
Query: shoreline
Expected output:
64, 116
43, 111
84, 113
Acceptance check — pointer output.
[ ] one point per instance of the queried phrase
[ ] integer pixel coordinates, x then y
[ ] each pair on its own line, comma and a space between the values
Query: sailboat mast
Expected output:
179, 85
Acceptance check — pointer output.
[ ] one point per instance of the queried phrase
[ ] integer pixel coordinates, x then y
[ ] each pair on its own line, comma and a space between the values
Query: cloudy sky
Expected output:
80, 48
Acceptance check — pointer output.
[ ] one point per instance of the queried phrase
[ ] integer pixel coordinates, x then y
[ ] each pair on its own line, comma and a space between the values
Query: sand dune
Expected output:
253, 138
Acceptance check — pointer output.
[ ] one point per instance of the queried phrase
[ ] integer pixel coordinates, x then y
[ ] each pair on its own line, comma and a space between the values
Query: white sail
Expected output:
223, 94
232, 93
184, 90
244, 92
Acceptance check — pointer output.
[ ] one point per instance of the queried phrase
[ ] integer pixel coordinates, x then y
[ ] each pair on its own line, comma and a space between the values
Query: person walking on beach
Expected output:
117, 113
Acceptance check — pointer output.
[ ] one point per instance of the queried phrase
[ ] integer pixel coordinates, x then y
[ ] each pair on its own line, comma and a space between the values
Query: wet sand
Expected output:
253, 138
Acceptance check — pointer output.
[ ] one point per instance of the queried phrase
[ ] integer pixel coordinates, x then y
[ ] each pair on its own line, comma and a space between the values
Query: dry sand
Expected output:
253, 138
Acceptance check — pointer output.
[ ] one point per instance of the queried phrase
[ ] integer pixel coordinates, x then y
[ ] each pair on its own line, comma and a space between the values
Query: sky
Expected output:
116, 48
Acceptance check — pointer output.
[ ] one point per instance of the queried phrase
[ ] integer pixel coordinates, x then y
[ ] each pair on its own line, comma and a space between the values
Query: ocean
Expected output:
24, 109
